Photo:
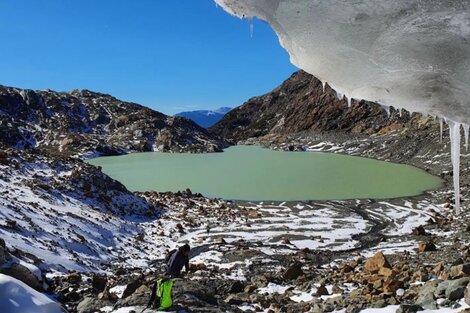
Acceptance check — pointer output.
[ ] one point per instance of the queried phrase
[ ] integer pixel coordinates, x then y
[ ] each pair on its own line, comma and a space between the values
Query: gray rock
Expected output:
141, 296
467, 294
202, 291
131, 288
426, 293
460, 270
409, 308
317, 308
91, 305
353, 308
456, 288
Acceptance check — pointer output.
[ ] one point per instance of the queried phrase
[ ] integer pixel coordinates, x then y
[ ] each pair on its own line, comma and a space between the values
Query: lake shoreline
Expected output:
257, 174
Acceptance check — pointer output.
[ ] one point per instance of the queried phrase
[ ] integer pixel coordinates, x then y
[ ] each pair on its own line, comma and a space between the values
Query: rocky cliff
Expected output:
87, 123
301, 104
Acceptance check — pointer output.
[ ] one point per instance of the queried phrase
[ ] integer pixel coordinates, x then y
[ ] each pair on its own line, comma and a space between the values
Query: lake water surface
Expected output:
255, 173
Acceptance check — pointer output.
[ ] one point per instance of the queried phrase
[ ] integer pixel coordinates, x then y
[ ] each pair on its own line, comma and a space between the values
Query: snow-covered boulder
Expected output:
17, 297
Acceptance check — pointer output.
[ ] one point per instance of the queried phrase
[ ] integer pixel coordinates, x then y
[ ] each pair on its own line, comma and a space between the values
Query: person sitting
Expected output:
177, 260
161, 296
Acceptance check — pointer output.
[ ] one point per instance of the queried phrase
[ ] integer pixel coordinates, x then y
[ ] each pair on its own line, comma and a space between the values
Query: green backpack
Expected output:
164, 293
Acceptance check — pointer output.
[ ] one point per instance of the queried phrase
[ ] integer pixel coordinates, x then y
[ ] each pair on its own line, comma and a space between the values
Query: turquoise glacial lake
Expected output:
258, 174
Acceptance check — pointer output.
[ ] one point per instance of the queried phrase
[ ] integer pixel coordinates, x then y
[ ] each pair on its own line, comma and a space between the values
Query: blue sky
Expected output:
166, 54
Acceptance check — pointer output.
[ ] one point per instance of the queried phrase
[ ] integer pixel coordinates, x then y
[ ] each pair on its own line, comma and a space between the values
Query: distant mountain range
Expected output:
205, 118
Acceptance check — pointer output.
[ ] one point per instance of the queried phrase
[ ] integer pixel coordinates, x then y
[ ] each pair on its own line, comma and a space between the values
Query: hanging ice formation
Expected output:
454, 131
465, 131
407, 54
441, 126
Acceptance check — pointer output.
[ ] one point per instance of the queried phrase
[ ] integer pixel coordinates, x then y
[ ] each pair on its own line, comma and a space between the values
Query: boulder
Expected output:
419, 231
426, 246
321, 291
99, 282
293, 272
250, 288
91, 305
376, 262
467, 294
237, 287
74, 278
456, 288
409, 308
23, 274
203, 290
387, 272
438, 268
140, 296
236, 299
131, 288
426, 297
260, 281
460, 270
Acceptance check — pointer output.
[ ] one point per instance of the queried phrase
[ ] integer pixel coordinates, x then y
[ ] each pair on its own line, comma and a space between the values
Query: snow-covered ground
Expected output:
70, 217
46, 212
17, 297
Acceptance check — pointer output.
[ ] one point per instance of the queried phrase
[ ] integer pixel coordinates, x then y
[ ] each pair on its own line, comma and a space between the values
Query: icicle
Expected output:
465, 132
441, 125
454, 130
250, 22
349, 101
324, 85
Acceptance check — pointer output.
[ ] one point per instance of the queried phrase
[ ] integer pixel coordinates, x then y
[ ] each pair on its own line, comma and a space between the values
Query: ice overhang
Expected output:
411, 54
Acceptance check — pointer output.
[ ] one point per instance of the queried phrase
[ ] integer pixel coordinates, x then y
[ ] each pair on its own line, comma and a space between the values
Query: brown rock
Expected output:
426, 246
438, 268
321, 291
376, 262
197, 267
99, 282
444, 276
250, 288
419, 231
392, 285
460, 270
293, 272
74, 278
385, 271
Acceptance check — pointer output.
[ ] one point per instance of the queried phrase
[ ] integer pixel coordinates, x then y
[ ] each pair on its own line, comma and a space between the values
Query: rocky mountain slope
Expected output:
86, 123
63, 214
205, 118
302, 104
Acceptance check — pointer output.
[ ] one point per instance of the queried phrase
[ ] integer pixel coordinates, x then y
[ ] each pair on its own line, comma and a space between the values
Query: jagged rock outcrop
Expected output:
87, 123
302, 104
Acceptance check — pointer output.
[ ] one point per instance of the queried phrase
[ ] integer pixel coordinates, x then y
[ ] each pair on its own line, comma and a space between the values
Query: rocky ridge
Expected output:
86, 123
303, 104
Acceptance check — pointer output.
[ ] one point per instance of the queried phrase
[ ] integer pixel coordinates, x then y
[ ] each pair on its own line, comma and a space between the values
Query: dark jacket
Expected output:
176, 263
